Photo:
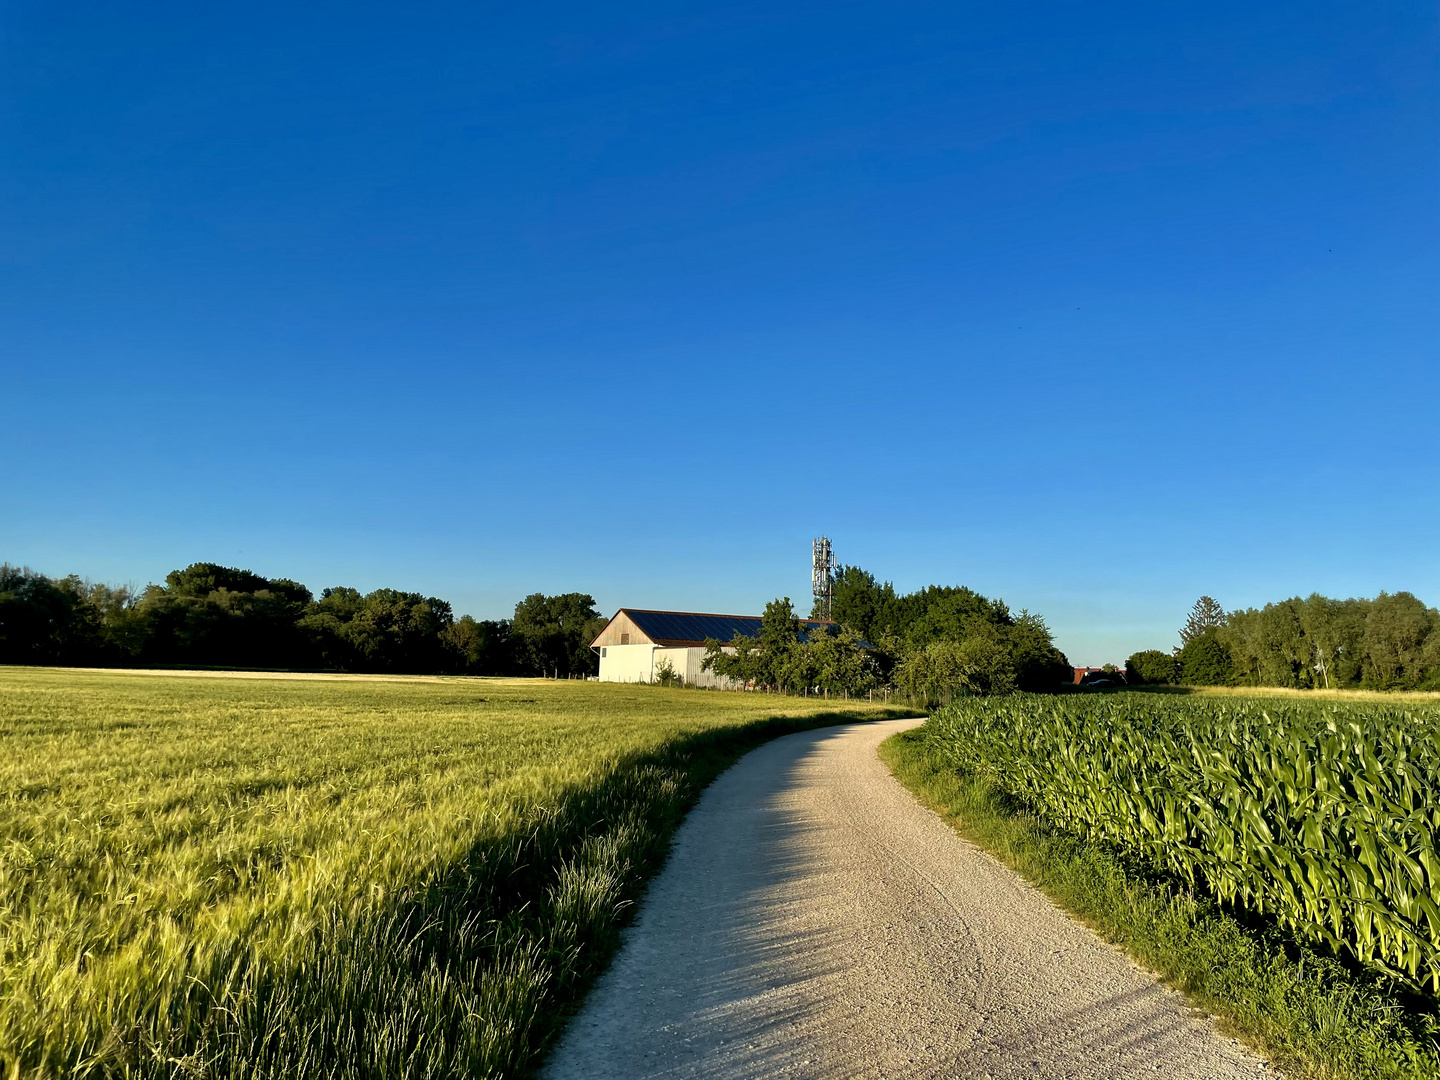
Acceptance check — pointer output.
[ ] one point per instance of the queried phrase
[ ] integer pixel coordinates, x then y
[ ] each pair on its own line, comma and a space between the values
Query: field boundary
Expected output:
1311, 1015
1374, 697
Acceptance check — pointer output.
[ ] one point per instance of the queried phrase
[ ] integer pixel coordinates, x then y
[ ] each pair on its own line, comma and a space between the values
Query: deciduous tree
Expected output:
1151, 666
552, 634
1205, 661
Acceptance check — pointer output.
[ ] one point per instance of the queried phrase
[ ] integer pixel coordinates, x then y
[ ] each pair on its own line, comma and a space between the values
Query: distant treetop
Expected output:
1207, 614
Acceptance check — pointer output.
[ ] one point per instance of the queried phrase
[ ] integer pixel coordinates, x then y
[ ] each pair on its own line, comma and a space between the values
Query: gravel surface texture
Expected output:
814, 920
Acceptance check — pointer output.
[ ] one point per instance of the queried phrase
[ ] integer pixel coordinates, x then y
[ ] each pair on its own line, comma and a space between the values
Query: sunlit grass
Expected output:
267, 876
1390, 697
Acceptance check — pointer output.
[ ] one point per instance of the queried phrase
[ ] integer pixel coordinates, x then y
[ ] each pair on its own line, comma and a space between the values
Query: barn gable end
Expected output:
621, 630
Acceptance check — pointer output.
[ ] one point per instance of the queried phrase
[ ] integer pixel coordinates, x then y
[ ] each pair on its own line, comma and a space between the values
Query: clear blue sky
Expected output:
1093, 307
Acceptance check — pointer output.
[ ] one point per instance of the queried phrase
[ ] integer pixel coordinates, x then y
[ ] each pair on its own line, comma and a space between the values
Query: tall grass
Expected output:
277, 877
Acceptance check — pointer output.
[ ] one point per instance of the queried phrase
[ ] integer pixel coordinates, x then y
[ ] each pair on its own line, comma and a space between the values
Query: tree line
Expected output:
931, 646
208, 615
1391, 642
944, 641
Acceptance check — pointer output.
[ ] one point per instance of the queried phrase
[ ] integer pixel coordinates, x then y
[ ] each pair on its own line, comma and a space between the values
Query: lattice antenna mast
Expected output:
822, 577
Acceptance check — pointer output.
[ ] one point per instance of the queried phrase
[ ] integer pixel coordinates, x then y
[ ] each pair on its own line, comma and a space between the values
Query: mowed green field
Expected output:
287, 875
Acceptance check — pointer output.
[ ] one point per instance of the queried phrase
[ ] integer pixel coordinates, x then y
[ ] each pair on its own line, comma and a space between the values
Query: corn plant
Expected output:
1323, 817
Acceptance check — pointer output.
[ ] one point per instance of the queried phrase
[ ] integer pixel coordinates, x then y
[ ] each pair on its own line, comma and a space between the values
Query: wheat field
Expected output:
272, 876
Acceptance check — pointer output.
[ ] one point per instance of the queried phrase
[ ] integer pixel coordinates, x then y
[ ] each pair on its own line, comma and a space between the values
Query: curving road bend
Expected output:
815, 921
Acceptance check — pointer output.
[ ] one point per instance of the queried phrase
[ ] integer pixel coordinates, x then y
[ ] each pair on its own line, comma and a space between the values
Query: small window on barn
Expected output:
602, 652
624, 639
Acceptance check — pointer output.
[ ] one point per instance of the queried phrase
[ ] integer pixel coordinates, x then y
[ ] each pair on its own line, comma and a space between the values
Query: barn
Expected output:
635, 642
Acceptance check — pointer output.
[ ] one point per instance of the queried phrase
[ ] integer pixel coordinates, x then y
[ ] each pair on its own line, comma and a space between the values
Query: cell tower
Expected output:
822, 578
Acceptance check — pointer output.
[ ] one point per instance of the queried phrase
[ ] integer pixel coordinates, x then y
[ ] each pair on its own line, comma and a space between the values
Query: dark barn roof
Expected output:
691, 628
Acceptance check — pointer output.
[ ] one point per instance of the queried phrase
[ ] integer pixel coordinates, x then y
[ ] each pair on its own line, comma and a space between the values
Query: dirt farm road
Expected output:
814, 921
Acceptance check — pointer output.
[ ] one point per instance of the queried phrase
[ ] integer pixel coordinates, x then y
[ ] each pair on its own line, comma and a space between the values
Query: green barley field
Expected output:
266, 876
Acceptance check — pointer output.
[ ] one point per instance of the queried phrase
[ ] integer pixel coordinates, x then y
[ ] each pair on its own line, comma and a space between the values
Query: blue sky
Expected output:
1091, 307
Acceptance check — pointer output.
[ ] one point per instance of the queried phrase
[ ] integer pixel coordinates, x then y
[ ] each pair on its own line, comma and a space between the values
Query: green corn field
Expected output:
1321, 816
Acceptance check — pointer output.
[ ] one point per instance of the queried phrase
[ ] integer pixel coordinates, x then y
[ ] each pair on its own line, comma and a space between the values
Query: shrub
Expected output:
1152, 666
666, 675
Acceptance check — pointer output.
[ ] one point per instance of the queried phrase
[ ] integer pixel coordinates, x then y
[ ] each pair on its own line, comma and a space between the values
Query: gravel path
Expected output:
815, 921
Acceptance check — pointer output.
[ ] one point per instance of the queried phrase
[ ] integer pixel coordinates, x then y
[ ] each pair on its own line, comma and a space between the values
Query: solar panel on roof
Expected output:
685, 626
678, 626
693, 628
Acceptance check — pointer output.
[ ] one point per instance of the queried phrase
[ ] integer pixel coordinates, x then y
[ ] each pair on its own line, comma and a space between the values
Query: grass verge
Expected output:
1310, 1015
276, 877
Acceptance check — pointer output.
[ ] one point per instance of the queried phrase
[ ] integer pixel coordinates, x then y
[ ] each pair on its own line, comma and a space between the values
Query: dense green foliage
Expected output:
1151, 666
942, 641
553, 634
1322, 817
1313, 1015
988, 659
1389, 643
281, 876
935, 613
794, 655
218, 616
1205, 661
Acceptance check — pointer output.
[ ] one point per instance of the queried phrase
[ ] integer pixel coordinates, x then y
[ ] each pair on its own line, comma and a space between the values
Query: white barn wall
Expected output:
677, 659
627, 663
637, 663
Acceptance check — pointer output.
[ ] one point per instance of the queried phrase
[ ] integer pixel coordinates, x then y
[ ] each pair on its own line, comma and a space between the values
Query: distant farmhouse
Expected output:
1090, 674
635, 642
